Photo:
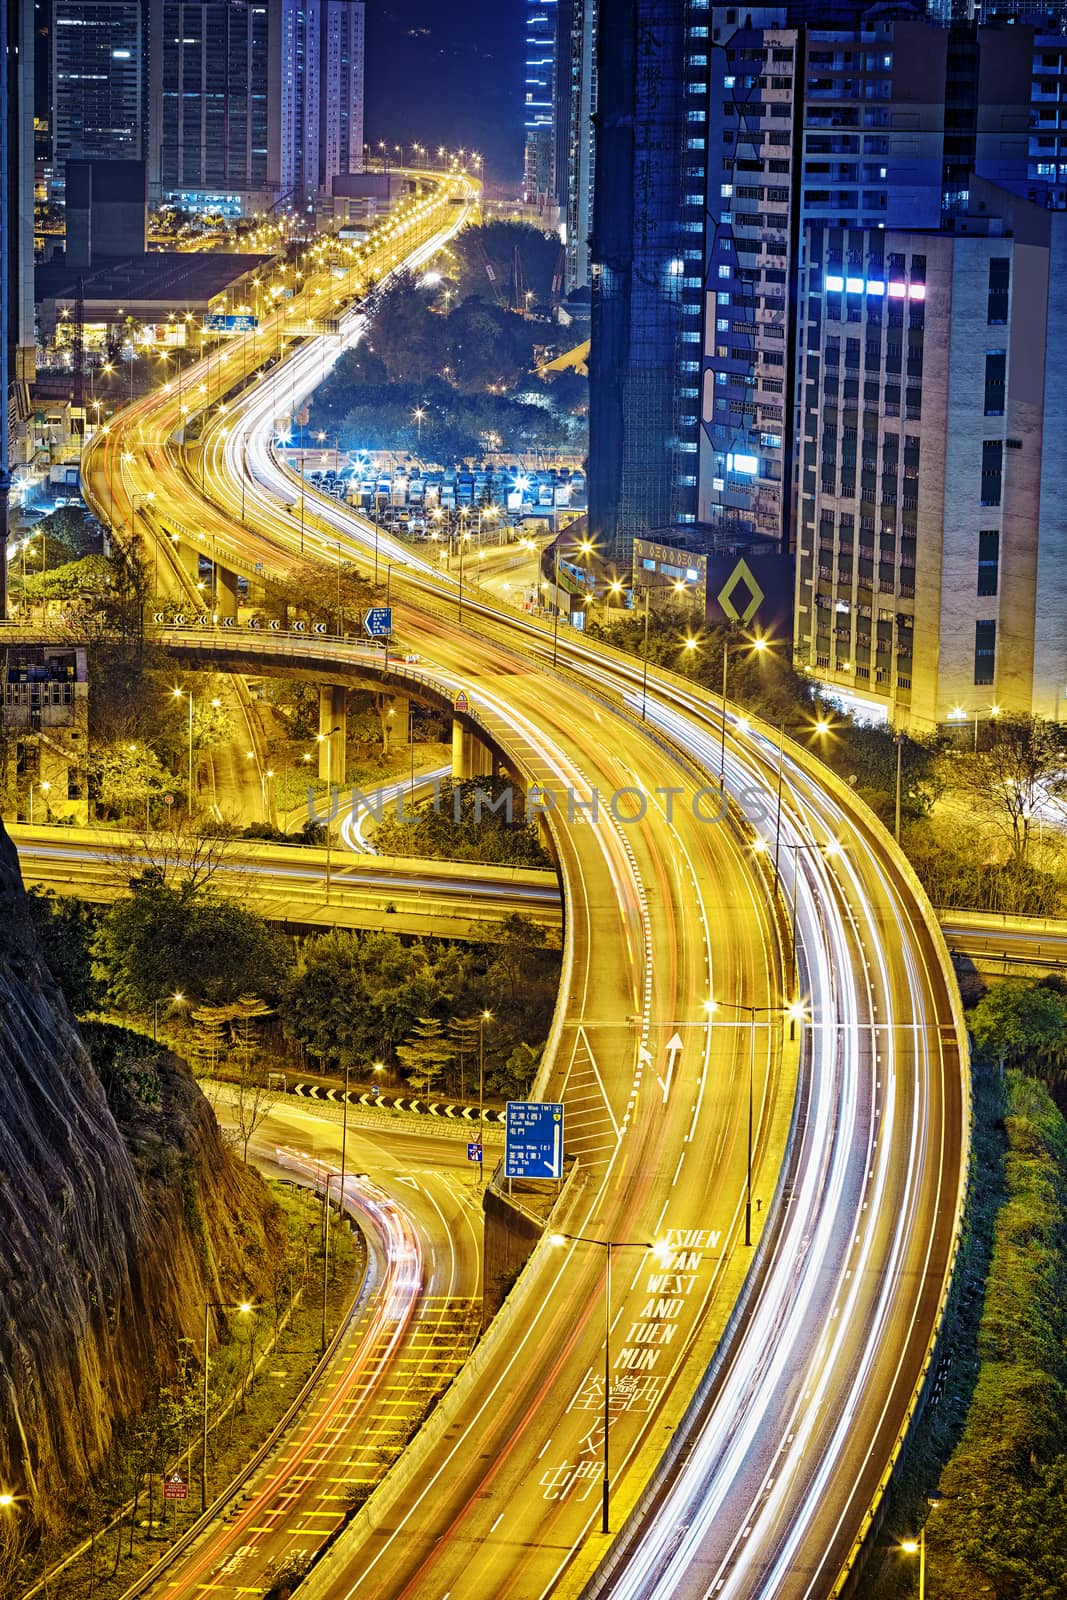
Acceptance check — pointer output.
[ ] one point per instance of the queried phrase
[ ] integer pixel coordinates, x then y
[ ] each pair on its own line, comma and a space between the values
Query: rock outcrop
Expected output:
119, 1217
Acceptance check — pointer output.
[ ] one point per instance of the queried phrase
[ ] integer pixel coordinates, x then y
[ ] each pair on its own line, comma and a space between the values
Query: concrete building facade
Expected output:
932, 509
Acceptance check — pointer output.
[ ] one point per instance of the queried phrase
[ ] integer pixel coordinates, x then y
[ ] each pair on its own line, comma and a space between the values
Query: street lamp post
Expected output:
327, 739
586, 549
174, 999
486, 1016
178, 693
896, 803
608, 1246
796, 1012
913, 1547
759, 645
326, 1227
244, 1307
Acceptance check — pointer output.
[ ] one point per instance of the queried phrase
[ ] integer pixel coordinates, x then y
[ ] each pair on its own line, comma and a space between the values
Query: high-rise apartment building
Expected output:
254, 101
341, 95
539, 102
648, 270
762, 119
212, 118
875, 125
576, 103
98, 82
932, 538
16, 243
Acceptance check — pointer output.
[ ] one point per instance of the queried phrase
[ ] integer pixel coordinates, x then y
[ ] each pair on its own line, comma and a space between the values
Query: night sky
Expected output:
448, 72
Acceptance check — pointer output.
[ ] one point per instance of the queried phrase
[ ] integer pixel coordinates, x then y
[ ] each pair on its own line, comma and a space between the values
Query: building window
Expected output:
988, 561
992, 471
999, 281
995, 367
985, 652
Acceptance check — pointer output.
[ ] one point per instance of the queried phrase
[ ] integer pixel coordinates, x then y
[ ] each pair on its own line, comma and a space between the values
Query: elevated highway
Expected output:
786, 1370
302, 888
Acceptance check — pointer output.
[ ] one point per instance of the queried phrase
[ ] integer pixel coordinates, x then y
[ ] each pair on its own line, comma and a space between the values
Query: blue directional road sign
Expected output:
378, 622
474, 1152
215, 322
533, 1139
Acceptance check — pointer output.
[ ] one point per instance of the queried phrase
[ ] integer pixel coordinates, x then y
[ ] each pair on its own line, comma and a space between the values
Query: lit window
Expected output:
834, 284
854, 285
917, 291
749, 465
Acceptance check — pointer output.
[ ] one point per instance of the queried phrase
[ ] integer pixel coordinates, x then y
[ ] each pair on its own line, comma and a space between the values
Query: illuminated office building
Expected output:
98, 82
932, 507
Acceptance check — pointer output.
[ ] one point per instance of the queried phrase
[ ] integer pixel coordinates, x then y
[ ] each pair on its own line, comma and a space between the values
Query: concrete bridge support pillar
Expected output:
333, 720
225, 592
470, 757
188, 556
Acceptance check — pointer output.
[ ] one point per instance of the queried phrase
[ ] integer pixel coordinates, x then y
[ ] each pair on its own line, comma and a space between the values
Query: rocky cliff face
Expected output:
117, 1221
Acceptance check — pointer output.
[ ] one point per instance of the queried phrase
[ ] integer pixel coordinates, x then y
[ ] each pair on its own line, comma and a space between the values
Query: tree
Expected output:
1022, 769
1014, 1021
354, 997
253, 1103
178, 855
488, 828
515, 938
465, 1038
124, 778
159, 941
426, 1054
64, 927
512, 1079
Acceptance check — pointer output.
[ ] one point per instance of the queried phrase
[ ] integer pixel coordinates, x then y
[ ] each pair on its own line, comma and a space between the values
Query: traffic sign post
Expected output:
176, 1488
378, 622
533, 1139
242, 322
462, 701
474, 1152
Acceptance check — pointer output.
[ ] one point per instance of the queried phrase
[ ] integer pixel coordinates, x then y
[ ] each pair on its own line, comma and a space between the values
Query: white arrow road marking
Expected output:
674, 1047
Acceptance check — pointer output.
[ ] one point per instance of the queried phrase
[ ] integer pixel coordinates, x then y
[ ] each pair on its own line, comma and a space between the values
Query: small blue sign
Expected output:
216, 322
474, 1152
378, 622
533, 1139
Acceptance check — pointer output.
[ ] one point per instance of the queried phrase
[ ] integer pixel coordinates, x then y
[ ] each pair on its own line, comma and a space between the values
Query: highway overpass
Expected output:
787, 1370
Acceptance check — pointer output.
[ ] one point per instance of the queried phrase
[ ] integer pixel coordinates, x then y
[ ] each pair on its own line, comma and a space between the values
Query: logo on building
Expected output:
741, 575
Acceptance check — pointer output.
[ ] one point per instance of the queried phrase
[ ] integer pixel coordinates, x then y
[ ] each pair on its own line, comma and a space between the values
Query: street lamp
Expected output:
608, 1246
486, 1016
585, 548
758, 645
177, 695
797, 1012
174, 999
45, 788
244, 1307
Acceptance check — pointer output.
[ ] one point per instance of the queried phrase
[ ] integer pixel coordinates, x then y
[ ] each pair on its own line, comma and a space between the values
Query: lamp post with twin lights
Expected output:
585, 548
796, 1011
609, 1246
